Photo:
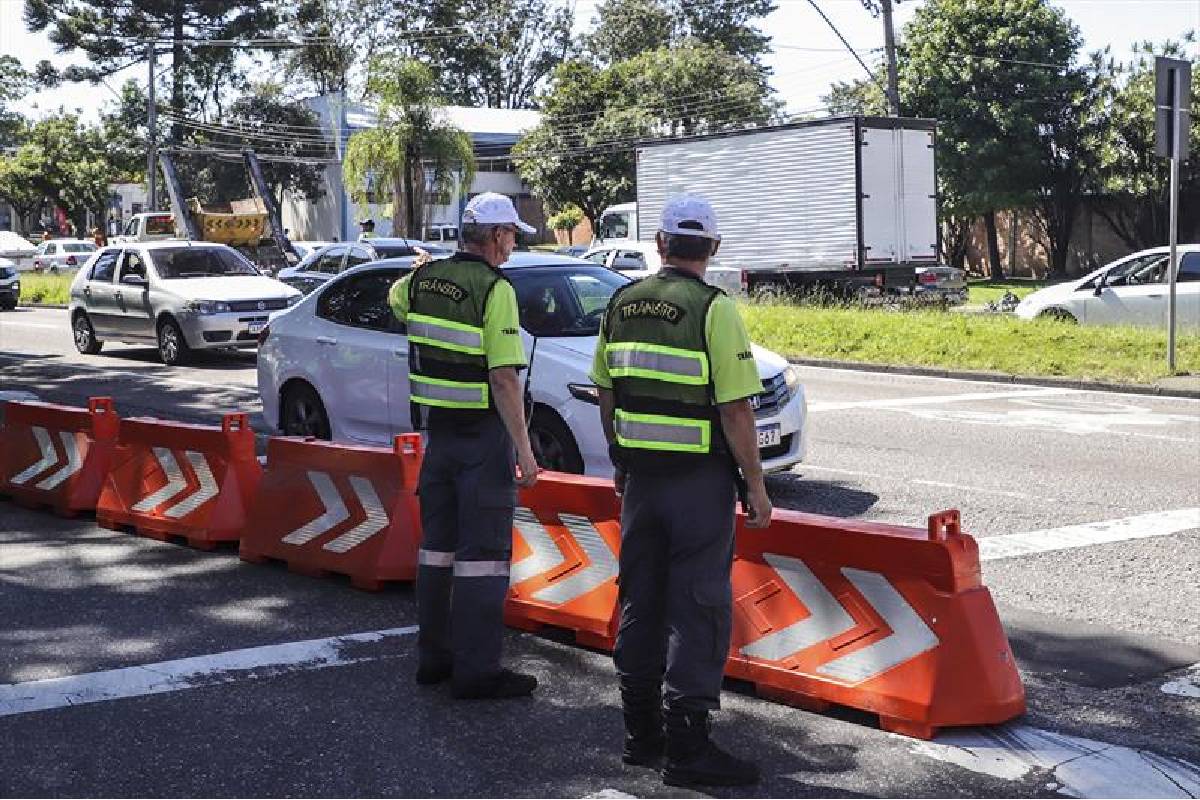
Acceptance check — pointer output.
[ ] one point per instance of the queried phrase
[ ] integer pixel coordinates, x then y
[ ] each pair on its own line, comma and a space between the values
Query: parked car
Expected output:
181, 296
941, 284
333, 259
149, 226
1129, 291
17, 250
637, 259
574, 250
336, 365
10, 284
305, 248
59, 254
446, 235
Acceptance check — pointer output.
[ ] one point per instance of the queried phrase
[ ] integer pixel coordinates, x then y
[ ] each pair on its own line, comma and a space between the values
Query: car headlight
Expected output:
791, 376
206, 307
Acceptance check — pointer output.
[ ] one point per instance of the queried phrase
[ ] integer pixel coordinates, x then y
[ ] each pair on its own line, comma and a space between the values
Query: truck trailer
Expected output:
844, 204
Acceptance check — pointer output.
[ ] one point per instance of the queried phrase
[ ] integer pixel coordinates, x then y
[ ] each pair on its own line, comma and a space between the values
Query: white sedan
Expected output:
336, 365
1129, 291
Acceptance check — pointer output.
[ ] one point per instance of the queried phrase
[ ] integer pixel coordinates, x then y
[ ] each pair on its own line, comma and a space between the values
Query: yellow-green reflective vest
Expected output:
657, 355
448, 370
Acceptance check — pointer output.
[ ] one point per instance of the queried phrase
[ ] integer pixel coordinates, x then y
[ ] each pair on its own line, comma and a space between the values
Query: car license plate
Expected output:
256, 327
769, 435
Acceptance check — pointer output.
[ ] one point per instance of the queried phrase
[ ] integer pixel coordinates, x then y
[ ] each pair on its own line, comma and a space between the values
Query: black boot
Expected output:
643, 737
693, 759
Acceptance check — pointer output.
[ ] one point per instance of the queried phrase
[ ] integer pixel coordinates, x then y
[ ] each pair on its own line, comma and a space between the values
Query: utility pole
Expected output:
889, 35
152, 145
1172, 123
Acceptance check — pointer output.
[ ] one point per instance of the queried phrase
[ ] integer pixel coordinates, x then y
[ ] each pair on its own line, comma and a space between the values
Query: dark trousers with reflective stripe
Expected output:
468, 491
675, 592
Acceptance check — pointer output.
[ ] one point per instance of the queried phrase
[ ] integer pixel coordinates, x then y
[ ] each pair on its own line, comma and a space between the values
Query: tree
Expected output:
512, 47
990, 73
123, 123
356, 30
19, 174
15, 82
111, 33
863, 97
412, 145
626, 28
582, 152
566, 220
1137, 181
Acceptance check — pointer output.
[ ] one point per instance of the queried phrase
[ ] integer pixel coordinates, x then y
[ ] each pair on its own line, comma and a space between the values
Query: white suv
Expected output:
336, 365
182, 296
10, 284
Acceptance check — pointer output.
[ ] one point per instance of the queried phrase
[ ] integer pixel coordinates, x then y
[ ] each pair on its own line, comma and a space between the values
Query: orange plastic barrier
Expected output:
884, 618
172, 479
57, 456
567, 533
337, 508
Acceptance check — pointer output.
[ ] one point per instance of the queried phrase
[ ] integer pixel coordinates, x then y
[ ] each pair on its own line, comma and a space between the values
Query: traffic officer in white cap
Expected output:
676, 375
465, 352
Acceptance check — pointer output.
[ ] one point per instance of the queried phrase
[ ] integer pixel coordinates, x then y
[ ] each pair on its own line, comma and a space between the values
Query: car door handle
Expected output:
1155, 295
326, 340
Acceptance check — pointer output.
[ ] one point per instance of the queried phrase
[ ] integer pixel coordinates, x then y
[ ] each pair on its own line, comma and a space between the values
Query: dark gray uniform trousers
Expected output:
675, 592
467, 491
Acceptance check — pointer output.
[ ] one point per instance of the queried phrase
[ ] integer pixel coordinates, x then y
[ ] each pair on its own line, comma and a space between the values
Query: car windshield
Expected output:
200, 262
7, 272
564, 302
79, 247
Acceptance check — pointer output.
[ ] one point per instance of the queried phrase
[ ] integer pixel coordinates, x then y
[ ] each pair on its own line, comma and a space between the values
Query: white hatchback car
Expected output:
56, 255
336, 365
1129, 291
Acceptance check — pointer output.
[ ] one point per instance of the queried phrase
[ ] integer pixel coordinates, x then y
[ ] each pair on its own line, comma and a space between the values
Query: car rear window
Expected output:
160, 224
79, 247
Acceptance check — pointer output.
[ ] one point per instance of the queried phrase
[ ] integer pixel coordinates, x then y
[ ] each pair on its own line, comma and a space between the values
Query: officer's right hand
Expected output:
759, 515
619, 476
527, 470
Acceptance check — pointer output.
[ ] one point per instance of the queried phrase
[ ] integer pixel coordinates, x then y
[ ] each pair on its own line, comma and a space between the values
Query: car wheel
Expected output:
85, 335
301, 413
1058, 315
172, 347
553, 444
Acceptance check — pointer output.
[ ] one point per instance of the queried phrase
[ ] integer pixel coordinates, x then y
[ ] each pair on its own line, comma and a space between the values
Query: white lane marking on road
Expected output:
1083, 767
8, 324
1186, 686
939, 484
160, 375
1142, 526
928, 400
190, 673
1072, 415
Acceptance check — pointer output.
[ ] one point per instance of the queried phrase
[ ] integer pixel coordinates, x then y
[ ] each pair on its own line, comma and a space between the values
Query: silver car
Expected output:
182, 296
62, 254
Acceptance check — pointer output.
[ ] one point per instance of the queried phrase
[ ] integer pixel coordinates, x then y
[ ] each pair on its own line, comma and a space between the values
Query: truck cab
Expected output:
148, 227
615, 223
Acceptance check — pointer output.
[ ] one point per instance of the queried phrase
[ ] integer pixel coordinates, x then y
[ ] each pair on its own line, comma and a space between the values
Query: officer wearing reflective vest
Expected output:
465, 352
675, 374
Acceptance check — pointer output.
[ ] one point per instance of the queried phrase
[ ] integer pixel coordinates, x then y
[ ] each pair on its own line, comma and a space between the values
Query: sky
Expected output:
807, 59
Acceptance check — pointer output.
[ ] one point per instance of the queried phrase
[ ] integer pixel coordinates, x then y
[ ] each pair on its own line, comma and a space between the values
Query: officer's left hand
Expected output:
527, 470
760, 508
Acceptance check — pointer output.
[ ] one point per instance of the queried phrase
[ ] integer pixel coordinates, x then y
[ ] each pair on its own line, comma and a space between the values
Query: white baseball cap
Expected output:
690, 215
492, 208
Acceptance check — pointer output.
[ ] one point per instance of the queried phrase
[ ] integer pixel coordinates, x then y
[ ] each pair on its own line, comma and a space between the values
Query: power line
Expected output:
833, 28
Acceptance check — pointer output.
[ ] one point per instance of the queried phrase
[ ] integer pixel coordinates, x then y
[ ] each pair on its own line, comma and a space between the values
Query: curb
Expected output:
1001, 377
42, 305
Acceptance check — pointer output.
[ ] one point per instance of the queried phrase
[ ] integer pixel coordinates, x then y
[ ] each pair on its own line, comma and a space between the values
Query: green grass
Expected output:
45, 288
981, 292
969, 341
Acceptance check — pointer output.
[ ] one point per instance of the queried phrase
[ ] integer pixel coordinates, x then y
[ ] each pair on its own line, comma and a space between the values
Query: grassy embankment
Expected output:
998, 343
45, 288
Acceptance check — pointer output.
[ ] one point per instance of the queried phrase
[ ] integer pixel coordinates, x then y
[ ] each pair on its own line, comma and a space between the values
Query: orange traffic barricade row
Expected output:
884, 618
350, 510
57, 456
171, 479
567, 533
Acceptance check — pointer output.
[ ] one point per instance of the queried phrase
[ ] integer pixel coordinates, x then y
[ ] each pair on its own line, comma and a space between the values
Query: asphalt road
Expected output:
1099, 629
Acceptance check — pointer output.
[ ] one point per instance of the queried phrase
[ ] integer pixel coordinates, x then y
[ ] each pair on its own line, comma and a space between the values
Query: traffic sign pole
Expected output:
1172, 124
1173, 265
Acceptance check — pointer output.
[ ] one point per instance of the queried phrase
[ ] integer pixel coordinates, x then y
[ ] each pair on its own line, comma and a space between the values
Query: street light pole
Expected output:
151, 123
889, 44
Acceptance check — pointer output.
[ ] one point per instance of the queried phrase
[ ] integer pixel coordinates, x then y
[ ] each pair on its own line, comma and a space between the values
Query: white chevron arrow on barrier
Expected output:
73, 443
827, 619
548, 555
335, 510
176, 485
48, 459
376, 518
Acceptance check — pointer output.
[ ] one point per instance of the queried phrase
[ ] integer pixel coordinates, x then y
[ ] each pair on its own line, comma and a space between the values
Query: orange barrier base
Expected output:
324, 508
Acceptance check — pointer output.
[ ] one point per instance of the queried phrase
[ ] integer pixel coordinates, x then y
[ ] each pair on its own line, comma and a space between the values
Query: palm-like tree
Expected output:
411, 140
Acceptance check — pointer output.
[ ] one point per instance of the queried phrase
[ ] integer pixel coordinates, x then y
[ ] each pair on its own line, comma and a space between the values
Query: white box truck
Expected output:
847, 204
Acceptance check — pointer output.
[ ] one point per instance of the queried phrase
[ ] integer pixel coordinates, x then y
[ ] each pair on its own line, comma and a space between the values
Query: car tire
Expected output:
1058, 315
554, 445
173, 349
85, 335
301, 413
